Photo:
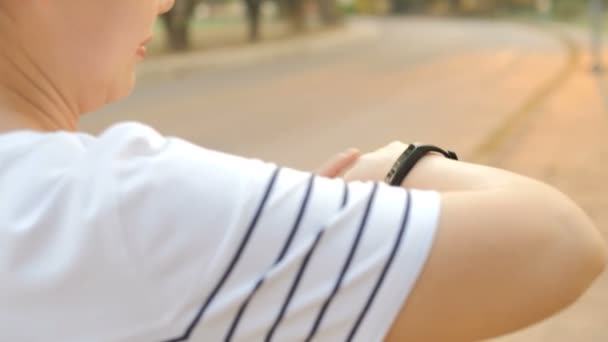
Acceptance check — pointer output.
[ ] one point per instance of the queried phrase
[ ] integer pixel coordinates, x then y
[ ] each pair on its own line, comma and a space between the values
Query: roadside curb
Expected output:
499, 137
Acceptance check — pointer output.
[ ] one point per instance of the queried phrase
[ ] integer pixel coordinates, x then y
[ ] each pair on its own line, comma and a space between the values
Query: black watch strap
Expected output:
408, 160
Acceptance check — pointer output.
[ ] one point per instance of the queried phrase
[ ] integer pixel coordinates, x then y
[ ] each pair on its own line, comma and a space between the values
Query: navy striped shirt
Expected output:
181, 243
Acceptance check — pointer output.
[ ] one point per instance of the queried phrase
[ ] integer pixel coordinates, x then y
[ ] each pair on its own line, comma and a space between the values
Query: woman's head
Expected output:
85, 51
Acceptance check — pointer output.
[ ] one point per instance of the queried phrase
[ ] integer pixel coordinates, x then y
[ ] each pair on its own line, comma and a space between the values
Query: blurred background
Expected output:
517, 84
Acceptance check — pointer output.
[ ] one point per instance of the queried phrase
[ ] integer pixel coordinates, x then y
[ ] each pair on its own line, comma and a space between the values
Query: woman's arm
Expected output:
510, 251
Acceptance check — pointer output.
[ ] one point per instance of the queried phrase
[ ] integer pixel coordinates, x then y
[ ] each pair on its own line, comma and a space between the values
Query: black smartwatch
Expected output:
409, 158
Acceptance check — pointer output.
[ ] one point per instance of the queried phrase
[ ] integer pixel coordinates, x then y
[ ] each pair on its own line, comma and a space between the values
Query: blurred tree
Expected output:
403, 6
453, 5
177, 24
253, 18
282, 8
329, 12
295, 12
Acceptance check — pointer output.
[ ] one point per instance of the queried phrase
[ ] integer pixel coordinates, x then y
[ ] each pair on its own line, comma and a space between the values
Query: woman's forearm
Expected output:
434, 172
495, 229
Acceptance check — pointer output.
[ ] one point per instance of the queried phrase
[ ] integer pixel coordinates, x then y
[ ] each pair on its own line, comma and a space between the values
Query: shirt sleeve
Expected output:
235, 249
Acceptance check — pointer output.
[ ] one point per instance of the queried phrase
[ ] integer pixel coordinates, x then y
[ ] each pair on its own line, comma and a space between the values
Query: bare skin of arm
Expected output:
509, 252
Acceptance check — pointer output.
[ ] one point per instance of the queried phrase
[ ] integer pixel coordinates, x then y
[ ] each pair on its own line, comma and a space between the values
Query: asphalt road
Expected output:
448, 82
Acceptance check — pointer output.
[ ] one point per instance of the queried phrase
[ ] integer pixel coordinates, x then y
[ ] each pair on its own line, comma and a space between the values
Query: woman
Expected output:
132, 236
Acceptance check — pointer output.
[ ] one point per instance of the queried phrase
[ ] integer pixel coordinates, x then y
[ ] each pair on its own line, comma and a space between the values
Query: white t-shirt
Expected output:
132, 236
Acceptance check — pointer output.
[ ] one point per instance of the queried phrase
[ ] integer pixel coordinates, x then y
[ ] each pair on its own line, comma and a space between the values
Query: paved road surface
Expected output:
442, 81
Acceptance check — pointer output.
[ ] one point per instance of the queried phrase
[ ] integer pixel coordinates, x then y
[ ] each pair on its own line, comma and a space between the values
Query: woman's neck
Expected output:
29, 98
26, 110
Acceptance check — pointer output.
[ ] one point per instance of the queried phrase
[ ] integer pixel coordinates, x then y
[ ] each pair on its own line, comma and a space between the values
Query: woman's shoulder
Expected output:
127, 139
116, 136
124, 157
129, 130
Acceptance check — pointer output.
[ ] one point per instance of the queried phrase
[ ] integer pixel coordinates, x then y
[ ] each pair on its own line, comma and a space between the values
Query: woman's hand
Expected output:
339, 164
371, 166
374, 166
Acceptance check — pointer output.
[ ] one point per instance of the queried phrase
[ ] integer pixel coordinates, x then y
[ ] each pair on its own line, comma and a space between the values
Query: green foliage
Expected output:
348, 8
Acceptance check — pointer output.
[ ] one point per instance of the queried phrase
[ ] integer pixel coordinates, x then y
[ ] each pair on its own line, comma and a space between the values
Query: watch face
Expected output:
409, 158
402, 158
393, 171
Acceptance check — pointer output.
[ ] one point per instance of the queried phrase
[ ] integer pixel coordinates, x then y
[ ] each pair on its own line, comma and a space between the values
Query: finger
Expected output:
340, 163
